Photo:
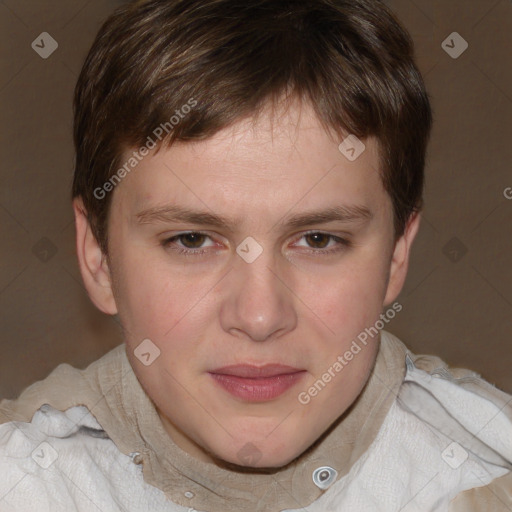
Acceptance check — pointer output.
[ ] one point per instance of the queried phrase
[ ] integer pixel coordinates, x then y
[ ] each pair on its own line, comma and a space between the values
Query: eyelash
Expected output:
342, 244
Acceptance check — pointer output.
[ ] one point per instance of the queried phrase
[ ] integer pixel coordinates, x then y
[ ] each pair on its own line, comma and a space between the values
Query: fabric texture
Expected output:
419, 437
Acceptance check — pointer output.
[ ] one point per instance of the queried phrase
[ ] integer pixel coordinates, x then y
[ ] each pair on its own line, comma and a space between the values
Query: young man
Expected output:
248, 185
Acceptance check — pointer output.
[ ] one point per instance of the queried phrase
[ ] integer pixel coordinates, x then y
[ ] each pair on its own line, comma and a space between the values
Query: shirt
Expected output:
419, 437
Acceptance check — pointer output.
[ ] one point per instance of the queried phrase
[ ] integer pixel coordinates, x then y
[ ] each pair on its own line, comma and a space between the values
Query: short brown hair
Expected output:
350, 59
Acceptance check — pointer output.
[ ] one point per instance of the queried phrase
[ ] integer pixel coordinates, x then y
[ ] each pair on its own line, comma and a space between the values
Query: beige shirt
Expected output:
112, 393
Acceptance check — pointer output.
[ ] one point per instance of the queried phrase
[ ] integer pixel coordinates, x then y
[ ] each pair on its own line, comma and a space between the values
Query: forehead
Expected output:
275, 162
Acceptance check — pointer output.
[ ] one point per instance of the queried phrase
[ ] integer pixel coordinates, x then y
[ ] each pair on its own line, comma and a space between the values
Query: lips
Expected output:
257, 383
255, 372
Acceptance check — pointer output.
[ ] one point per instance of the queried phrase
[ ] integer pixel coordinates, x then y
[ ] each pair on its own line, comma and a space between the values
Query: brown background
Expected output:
457, 301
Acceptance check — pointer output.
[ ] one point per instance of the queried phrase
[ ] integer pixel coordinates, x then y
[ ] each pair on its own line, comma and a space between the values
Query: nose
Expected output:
258, 302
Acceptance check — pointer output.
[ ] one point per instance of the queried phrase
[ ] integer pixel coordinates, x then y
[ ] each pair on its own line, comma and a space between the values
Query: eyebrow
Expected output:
175, 213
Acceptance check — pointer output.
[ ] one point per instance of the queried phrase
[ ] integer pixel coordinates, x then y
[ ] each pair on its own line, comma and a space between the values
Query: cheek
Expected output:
349, 305
161, 304
148, 299
351, 297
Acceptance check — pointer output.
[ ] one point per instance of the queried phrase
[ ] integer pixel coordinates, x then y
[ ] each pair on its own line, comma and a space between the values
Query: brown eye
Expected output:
192, 240
319, 243
319, 240
189, 243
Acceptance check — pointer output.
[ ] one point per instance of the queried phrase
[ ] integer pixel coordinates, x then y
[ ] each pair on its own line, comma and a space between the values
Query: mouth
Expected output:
257, 384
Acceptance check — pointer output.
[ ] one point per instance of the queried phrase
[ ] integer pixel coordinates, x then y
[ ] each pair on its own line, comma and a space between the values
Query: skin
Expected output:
291, 305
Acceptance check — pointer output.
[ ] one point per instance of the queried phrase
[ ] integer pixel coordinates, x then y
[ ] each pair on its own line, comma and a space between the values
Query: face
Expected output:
251, 261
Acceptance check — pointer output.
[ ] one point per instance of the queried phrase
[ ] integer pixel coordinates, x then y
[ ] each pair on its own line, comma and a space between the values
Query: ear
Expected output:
400, 259
93, 263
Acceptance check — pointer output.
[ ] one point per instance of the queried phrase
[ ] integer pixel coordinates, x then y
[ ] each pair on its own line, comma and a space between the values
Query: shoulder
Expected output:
494, 497
55, 455
64, 461
65, 387
472, 420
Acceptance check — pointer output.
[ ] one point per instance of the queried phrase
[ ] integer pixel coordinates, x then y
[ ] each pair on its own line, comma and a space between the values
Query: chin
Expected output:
263, 463
257, 456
